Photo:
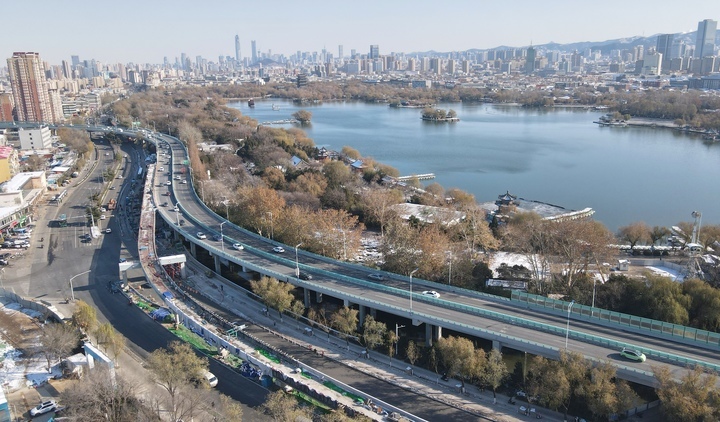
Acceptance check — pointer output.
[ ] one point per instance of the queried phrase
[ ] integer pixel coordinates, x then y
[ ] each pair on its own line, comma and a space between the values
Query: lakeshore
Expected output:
551, 154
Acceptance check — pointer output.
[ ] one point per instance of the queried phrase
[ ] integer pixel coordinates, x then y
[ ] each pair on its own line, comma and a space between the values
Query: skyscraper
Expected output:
705, 42
374, 51
664, 47
253, 46
530, 60
340, 52
237, 48
30, 92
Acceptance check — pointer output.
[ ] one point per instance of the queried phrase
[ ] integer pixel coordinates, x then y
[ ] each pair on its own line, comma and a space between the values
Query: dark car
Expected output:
217, 237
305, 276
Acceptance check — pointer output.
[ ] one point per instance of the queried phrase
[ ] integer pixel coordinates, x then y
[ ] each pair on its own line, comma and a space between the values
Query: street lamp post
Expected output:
297, 263
567, 328
227, 209
397, 338
411, 274
72, 292
222, 239
177, 213
592, 307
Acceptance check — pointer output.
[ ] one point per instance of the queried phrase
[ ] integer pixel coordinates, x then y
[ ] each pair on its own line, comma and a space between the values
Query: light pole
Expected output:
297, 263
72, 292
567, 329
397, 338
592, 307
227, 209
411, 274
177, 213
450, 272
222, 239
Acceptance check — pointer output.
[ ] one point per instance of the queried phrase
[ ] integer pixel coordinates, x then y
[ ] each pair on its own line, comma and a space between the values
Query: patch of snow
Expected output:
673, 274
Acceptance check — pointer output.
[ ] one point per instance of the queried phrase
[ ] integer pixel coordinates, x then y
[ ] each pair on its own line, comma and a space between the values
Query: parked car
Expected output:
108, 230
168, 183
632, 354
278, 249
102, 217
432, 293
238, 246
44, 407
376, 277
184, 182
201, 235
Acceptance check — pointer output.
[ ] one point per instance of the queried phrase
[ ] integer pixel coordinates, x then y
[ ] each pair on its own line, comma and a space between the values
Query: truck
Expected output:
112, 204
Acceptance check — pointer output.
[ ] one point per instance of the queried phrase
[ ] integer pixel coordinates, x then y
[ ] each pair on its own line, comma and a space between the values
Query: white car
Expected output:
168, 183
44, 407
432, 293
184, 182
102, 217
201, 235
238, 246
278, 249
108, 230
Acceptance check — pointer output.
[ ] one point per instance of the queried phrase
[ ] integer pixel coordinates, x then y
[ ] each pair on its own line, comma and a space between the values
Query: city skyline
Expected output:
142, 32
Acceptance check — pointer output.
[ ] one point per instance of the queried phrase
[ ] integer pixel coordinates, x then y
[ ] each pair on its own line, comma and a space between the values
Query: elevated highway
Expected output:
508, 323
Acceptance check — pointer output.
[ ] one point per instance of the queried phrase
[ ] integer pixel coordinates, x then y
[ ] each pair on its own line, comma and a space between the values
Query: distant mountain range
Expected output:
604, 46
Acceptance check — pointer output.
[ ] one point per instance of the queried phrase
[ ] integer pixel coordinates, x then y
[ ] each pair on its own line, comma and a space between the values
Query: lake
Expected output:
558, 156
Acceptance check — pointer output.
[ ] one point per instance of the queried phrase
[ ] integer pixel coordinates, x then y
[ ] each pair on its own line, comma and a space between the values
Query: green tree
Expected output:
85, 316
345, 320
693, 398
111, 340
275, 294
412, 353
459, 358
495, 371
373, 332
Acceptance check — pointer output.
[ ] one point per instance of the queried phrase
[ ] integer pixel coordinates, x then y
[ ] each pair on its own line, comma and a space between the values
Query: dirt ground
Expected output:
22, 332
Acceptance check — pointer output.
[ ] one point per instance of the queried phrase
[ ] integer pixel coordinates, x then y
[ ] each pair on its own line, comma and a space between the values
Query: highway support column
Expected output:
218, 264
432, 333
306, 297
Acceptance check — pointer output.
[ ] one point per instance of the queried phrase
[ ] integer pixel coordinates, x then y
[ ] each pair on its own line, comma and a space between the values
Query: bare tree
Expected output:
345, 320
174, 369
635, 233
85, 316
102, 396
412, 352
282, 407
57, 341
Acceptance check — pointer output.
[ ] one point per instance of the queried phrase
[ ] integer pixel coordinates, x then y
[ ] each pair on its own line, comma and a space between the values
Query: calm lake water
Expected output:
556, 156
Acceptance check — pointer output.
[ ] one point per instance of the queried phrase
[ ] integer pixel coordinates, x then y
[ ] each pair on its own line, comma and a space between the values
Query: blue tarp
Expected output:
159, 314
168, 295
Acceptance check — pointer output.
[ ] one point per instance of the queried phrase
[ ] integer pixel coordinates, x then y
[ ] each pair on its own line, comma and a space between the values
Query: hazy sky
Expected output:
146, 31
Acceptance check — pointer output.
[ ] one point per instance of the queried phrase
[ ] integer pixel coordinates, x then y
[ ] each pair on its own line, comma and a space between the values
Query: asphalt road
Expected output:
44, 273
457, 319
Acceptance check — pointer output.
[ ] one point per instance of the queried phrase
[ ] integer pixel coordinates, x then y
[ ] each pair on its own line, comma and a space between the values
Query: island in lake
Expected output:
439, 115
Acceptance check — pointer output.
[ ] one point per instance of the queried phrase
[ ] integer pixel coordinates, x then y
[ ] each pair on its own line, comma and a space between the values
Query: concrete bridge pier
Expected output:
306, 297
432, 333
183, 270
218, 263
318, 297
497, 346
193, 249
361, 315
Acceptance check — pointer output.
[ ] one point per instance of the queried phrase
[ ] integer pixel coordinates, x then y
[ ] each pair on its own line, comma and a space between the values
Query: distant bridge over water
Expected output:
425, 176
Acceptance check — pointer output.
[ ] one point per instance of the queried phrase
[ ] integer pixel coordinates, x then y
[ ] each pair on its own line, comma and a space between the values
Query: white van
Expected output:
211, 379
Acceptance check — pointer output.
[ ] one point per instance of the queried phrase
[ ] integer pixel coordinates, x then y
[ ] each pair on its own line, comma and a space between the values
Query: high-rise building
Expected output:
340, 52
253, 46
237, 48
374, 52
705, 42
530, 58
664, 47
27, 76
75, 60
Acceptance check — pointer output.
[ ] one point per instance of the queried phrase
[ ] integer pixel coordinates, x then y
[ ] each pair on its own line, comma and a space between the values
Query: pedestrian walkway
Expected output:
226, 294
